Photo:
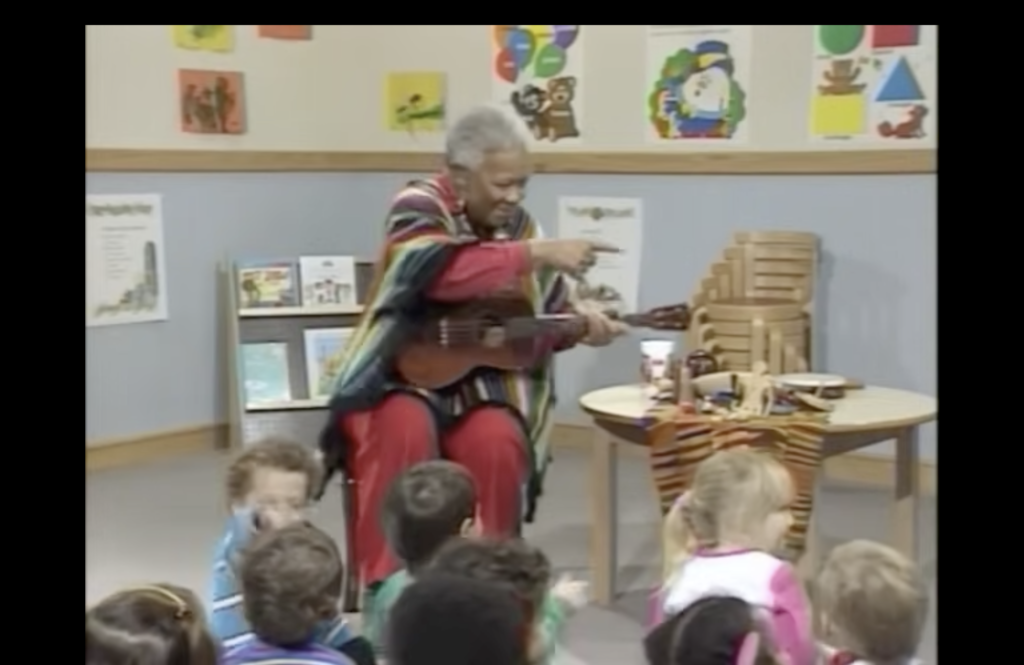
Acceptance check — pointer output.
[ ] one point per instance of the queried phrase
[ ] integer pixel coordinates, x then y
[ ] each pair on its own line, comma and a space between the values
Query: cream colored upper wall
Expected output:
327, 94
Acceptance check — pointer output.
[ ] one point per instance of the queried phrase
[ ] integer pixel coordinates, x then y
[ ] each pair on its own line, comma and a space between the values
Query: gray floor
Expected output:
159, 522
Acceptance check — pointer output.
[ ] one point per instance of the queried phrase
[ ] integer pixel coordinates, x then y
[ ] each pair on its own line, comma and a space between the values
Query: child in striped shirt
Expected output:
269, 486
291, 581
424, 507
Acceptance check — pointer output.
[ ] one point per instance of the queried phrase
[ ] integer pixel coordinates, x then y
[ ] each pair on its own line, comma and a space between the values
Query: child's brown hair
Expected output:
158, 624
291, 580
424, 507
873, 601
276, 453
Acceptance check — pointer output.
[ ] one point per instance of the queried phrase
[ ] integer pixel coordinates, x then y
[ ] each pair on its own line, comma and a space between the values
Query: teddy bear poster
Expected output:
537, 72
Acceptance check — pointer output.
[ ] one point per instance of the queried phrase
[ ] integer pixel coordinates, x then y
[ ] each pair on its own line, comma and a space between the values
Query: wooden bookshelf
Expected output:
300, 418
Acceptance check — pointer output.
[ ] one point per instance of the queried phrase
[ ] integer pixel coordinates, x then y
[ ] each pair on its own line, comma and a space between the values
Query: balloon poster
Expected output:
537, 72
698, 77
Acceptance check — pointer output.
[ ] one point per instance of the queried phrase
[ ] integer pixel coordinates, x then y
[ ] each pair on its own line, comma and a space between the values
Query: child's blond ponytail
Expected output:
678, 540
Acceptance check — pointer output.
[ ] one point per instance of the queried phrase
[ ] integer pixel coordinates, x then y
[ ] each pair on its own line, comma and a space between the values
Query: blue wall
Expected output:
876, 296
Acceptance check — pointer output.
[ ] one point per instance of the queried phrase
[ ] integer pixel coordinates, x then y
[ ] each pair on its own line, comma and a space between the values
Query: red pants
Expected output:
399, 432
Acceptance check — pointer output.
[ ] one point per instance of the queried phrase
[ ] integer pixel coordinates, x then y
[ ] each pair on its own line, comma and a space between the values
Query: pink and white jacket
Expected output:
762, 580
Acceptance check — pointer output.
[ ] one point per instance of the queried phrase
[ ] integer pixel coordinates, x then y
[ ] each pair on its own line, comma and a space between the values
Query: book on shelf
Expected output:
324, 349
328, 281
265, 376
267, 284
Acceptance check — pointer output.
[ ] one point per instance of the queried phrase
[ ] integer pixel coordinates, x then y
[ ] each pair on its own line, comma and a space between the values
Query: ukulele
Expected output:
499, 333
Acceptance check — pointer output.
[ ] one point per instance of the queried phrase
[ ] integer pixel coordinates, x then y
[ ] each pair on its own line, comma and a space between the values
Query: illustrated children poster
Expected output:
614, 280
874, 83
414, 102
216, 38
125, 277
698, 78
211, 102
537, 70
290, 32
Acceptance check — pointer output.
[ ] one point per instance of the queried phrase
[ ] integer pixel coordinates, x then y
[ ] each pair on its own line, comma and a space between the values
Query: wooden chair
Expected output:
352, 589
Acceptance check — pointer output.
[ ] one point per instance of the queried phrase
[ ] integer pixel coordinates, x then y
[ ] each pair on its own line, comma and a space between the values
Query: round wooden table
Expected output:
863, 418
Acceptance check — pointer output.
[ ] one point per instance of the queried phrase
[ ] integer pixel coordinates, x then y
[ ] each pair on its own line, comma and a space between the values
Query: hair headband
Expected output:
181, 608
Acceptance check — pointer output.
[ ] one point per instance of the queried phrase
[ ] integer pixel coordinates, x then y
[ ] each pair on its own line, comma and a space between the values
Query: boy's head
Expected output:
276, 478
162, 624
511, 563
444, 619
718, 630
873, 601
291, 580
426, 506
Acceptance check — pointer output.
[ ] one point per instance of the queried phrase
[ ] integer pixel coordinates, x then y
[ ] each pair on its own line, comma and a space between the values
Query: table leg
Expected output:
811, 559
604, 519
908, 492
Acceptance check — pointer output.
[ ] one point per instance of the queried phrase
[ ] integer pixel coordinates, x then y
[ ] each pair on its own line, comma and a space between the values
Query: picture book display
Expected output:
324, 352
328, 281
267, 284
265, 373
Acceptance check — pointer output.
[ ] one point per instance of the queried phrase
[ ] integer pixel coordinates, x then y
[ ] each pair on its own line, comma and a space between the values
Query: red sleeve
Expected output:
479, 269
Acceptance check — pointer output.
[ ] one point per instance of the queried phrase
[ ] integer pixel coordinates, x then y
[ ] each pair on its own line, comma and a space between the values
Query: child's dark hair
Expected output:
512, 563
426, 506
159, 624
712, 631
455, 620
273, 453
291, 580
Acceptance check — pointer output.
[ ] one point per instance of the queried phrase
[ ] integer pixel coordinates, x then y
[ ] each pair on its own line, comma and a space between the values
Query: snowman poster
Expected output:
537, 73
698, 78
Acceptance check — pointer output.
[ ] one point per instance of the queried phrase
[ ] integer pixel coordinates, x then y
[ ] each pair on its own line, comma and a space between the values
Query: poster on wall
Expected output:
874, 83
125, 273
698, 81
537, 72
615, 279
414, 102
215, 38
211, 102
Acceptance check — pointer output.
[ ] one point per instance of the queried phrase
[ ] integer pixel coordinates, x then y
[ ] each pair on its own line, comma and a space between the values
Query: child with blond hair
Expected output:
872, 602
720, 538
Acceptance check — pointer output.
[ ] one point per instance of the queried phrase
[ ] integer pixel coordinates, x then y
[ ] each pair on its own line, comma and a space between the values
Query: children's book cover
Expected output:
292, 32
267, 284
324, 352
328, 281
265, 373
211, 102
216, 38
414, 102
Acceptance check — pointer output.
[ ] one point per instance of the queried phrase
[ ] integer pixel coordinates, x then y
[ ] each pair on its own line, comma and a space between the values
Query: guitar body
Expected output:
454, 341
498, 332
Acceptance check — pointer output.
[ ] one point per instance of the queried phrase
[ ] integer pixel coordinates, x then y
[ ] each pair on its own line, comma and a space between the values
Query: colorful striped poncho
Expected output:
424, 227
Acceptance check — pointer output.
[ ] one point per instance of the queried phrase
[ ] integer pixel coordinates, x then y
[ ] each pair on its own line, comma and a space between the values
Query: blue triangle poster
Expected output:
901, 86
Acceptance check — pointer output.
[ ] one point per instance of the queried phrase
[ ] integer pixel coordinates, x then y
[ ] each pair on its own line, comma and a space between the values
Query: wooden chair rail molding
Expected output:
722, 163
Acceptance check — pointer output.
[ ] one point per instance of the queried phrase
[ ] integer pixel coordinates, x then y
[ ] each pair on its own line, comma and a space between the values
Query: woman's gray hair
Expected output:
482, 130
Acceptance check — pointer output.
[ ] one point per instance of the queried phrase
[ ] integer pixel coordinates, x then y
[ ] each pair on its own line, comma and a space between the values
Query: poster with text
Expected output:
874, 83
614, 280
537, 72
698, 82
125, 273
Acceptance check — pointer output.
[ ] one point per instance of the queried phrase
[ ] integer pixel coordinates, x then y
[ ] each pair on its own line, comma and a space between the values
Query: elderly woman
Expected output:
454, 237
